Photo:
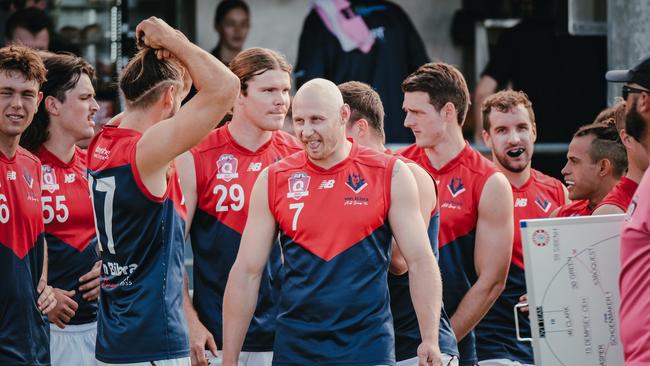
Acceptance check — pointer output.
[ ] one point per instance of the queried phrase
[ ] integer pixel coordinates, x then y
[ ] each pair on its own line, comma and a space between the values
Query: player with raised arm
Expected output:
366, 127
139, 212
509, 130
335, 205
476, 225
64, 118
24, 332
217, 177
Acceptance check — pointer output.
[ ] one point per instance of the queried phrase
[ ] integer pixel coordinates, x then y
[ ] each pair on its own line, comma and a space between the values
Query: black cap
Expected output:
639, 74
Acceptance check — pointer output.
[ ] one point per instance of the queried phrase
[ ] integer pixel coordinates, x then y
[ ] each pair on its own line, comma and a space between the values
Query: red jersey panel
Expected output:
621, 195
67, 210
536, 199
24, 332
575, 208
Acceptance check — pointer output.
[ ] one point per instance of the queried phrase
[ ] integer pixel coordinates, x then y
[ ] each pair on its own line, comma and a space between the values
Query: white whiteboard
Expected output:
572, 267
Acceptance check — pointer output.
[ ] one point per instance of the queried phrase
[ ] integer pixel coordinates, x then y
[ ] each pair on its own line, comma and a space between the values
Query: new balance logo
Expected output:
69, 178
11, 175
326, 184
521, 202
254, 167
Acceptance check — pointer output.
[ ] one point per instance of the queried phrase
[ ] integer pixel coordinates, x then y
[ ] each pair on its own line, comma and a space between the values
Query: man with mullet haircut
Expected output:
138, 205
217, 177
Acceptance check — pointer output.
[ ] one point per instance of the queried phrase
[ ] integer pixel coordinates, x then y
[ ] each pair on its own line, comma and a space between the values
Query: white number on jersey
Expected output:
106, 185
61, 209
298, 207
235, 193
4, 210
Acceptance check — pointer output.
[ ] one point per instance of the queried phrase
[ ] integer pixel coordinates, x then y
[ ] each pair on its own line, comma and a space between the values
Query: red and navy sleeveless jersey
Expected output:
621, 195
334, 306
460, 183
225, 174
575, 208
69, 226
405, 321
495, 334
141, 239
24, 332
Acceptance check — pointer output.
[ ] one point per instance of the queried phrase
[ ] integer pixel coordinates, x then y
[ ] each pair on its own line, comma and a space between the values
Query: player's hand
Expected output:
157, 34
429, 354
90, 283
200, 338
65, 308
46, 300
523, 300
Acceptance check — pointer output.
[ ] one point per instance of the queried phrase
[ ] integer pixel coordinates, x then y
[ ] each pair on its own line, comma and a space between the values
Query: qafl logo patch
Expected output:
298, 185
227, 167
49, 179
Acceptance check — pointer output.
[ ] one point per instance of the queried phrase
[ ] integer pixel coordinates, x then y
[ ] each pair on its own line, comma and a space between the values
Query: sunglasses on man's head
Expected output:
627, 90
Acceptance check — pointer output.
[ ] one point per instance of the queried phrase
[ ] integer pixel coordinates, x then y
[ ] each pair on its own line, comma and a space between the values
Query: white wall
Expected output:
277, 24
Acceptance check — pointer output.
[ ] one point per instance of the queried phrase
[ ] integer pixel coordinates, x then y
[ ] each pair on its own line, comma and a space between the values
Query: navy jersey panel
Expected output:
335, 312
141, 241
65, 265
498, 325
24, 331
407, 331
210, 282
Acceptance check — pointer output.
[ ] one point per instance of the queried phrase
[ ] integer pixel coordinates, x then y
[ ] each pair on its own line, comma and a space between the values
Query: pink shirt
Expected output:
635, 278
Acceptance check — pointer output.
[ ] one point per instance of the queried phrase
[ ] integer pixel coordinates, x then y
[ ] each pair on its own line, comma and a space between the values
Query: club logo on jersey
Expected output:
227, 167
326, 184
541, 237
356, 183
543, 203
28, 178
11, 175
49, 179
456, 186
69, 178
254, 167
298, 185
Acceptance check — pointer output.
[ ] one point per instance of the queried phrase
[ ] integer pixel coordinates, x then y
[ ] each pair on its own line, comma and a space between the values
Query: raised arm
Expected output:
217, 89
492, 252
410, 233
244, 281
428, 200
